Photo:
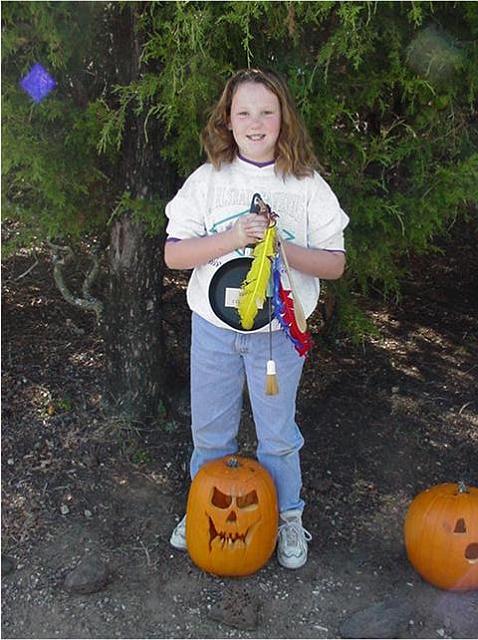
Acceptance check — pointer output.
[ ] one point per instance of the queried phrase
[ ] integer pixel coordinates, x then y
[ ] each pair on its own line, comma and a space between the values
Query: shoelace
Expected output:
293, 531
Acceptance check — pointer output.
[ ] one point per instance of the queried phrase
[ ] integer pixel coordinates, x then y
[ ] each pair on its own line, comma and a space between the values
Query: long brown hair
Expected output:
294, 153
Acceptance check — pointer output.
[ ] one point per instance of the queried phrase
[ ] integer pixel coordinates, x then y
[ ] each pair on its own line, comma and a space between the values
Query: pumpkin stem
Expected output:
233, 463
462, 488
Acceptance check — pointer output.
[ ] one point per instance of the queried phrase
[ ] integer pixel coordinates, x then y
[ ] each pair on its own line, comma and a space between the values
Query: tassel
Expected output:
254, 287
285, 315
272, 387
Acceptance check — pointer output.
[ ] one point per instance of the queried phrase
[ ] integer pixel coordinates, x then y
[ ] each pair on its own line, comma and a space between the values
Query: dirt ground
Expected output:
381, 422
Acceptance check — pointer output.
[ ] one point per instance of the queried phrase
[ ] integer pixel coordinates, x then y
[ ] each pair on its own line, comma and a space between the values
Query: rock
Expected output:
386, 619
64, 510
8, 565
89, 576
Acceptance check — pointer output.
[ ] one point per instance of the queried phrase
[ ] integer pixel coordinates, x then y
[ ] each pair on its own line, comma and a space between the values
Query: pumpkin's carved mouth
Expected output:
471, 553
221, 539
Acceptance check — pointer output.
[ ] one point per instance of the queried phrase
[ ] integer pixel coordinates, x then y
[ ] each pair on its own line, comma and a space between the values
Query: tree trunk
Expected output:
132, 325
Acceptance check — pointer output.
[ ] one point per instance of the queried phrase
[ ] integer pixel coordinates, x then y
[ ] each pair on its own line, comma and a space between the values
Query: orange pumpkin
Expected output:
231, 517
441, 536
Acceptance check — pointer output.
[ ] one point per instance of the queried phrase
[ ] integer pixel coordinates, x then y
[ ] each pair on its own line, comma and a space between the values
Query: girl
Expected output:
255, 142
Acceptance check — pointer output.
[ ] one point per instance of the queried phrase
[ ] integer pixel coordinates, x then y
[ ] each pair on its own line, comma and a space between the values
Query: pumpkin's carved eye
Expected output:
460, 526
220, 499
223, 501
247, 501
471, 552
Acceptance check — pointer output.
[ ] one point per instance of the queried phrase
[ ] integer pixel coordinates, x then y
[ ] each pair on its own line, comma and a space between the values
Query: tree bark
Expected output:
132, 324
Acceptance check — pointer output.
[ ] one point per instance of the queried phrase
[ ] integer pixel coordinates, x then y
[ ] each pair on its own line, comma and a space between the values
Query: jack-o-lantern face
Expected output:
231, 520
441, 536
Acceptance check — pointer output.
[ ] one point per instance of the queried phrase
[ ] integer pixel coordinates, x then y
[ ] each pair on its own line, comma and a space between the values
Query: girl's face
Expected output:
255, 121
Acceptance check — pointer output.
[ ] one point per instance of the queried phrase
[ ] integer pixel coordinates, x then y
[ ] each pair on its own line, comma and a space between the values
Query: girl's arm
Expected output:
192, 252
328, 265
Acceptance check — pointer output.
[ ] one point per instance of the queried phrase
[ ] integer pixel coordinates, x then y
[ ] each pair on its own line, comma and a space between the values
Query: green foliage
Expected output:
64, 404
54, 181
140, 456
387, 90
142, 210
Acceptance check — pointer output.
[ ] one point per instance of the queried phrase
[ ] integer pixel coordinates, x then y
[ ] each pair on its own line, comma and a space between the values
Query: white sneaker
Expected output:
178, 536
292, 540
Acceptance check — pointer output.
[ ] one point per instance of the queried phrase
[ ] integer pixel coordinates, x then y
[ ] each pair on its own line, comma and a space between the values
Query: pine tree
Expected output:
387, 90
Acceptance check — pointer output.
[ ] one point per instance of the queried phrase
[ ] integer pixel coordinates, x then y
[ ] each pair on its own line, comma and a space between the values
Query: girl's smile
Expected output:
255, 121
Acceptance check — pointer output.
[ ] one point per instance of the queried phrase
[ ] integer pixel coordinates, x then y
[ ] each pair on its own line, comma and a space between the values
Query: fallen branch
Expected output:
87, 302
25, 273
467, 404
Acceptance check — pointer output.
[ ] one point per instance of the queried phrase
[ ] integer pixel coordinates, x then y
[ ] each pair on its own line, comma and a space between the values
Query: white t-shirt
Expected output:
210, 201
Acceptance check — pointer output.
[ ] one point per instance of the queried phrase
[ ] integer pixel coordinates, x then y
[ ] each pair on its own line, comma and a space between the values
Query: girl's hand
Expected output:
249, 229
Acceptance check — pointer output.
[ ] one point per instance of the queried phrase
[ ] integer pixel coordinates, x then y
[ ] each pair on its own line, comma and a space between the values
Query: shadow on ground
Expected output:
381, 423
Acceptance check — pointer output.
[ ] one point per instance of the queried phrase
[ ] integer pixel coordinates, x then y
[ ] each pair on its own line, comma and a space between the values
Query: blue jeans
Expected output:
221, 361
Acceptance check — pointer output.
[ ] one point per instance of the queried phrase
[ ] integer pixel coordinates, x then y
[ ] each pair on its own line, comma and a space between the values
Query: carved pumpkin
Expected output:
231, 518
441, 536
